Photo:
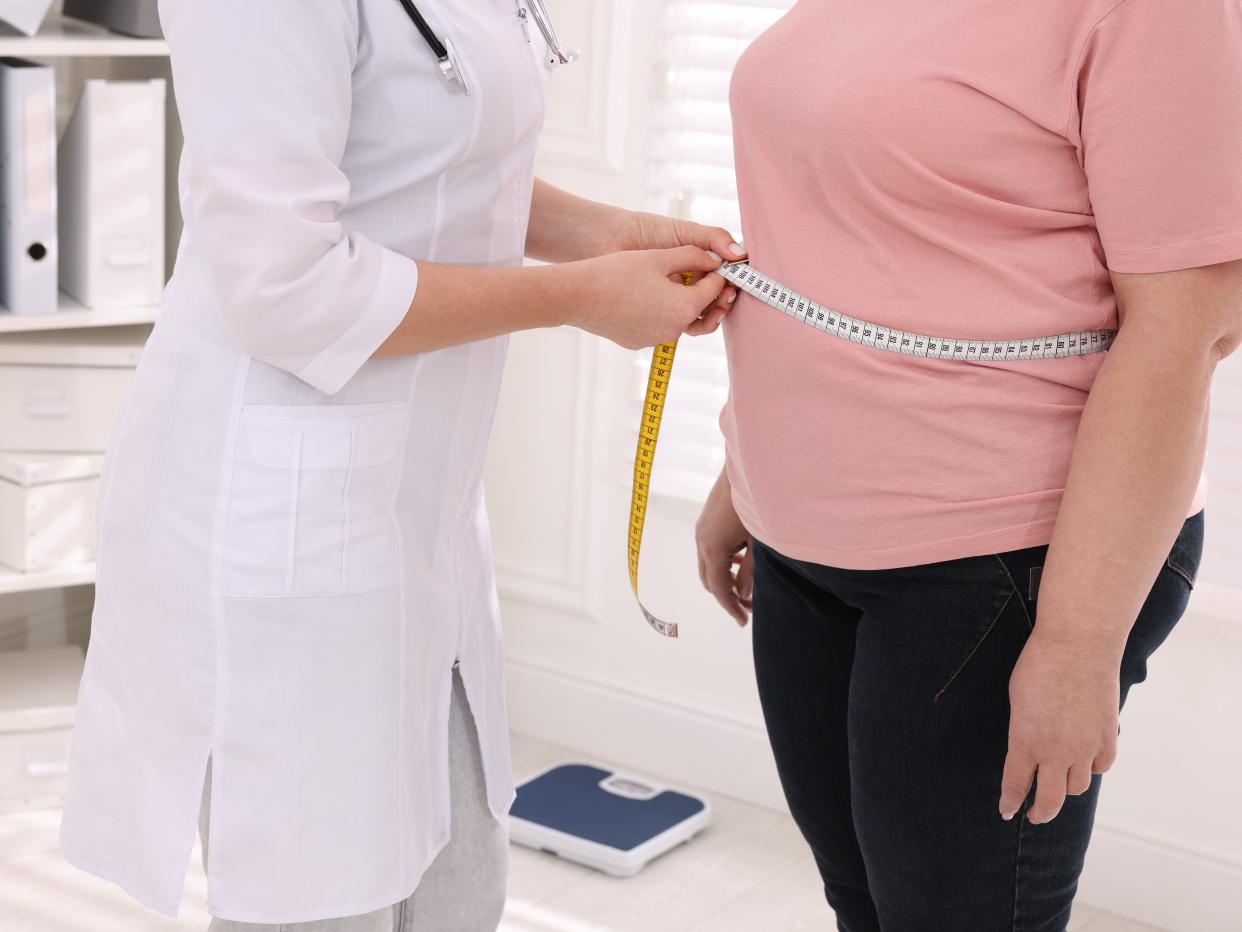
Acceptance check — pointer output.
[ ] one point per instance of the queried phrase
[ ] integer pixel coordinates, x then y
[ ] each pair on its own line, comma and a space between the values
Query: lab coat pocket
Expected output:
312, 501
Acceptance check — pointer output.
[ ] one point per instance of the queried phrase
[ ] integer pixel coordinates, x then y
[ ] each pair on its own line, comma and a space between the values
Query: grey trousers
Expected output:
464, 889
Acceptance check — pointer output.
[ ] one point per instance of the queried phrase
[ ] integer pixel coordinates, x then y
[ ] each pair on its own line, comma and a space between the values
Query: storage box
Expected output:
38, 695
47, 509
61, 391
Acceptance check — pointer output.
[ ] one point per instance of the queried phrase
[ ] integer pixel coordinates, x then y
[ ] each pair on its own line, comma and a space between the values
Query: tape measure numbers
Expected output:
806, 311
826, 320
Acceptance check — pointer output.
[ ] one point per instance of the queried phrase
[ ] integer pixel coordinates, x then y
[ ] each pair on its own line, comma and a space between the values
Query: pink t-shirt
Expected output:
968, 169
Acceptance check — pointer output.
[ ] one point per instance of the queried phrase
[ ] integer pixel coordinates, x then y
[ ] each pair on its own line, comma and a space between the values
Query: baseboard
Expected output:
1162, 883
702, 747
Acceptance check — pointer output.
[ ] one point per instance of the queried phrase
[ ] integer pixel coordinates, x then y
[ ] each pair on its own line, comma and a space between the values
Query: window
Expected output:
691, 175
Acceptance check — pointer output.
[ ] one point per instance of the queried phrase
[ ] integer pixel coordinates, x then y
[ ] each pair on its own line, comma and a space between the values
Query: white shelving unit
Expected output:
73, 316
67, 38
12, 583
63, 39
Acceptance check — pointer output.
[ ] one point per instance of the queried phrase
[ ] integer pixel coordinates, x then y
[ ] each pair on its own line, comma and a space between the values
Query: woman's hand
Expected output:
1064, 698
723, 543
639, 299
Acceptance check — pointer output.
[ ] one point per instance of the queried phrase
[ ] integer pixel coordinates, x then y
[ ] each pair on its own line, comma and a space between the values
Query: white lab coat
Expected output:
293, 546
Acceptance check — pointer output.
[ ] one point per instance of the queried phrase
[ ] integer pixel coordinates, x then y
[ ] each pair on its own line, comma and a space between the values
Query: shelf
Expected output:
12, 582
73, 316
68, 38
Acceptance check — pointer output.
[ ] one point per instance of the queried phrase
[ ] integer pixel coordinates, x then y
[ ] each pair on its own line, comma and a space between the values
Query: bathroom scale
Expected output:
614, 822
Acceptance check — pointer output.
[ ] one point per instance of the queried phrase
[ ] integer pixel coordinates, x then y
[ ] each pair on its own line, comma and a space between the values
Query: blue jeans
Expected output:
885, 695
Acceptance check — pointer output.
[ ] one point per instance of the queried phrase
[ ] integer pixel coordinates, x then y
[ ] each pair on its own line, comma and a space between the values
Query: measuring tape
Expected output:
865, 333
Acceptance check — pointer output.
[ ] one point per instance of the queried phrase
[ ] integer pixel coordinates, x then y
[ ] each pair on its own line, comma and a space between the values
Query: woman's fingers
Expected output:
1050, 790
720, 584
1015, 782
1079, 780
746, 577
1107, 756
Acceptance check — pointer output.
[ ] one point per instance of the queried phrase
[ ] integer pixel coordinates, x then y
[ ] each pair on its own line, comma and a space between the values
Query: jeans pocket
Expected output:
312, 501
1187, 550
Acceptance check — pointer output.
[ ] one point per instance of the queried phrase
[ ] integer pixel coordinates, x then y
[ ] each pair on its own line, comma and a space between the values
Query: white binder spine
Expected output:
28, 208
112, 195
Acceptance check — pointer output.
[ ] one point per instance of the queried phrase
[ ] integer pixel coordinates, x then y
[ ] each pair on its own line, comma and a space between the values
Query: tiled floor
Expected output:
748, 873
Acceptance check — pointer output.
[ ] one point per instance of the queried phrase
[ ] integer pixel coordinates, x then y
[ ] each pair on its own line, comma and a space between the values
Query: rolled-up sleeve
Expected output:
1159, 129
264, 89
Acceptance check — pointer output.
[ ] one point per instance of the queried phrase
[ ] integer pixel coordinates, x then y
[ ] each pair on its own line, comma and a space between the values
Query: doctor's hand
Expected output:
638, 299
723, 544
653, 231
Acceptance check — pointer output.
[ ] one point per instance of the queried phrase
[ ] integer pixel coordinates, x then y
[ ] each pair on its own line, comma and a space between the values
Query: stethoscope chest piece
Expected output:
556, 57
451, 70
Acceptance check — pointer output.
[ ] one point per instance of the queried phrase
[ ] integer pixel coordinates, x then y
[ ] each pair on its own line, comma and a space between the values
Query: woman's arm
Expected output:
1135, 466
565, 228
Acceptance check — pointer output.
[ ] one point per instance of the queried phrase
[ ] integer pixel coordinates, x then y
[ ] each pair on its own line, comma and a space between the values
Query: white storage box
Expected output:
61, 391
38, 694
47, 509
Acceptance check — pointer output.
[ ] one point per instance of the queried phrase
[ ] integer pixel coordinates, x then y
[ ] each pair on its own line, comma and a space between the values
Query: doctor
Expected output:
294, 555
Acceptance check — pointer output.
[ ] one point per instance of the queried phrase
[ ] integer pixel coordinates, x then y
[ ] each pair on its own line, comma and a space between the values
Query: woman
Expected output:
960, 569
294, 556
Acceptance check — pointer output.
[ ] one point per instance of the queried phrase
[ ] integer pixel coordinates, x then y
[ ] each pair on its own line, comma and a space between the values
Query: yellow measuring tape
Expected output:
648, 438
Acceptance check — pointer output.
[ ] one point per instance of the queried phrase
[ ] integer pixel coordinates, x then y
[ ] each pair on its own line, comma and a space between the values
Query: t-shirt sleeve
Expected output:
1158, 126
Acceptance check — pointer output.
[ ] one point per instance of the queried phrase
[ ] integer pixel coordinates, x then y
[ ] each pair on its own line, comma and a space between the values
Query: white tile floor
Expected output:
748, 872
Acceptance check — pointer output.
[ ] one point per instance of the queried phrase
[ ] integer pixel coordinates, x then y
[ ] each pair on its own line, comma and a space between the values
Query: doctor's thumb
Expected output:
708, 289
692, 259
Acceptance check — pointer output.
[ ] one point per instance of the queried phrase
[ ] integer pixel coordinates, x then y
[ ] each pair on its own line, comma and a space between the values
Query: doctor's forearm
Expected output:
462, 304
634, 298
565, 227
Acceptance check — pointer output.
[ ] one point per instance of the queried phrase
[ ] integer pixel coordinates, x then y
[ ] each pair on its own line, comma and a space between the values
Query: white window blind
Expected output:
690, 170
690, 174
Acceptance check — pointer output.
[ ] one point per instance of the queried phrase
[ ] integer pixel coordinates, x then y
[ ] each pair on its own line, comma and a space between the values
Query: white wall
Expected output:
584, 670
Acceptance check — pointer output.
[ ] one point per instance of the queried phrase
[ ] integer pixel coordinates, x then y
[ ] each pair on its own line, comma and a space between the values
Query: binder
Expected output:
111, 175
28, 212
25, 15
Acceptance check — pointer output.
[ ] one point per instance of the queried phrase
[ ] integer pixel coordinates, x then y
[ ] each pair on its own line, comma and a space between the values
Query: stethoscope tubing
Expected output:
437, 47
444, 53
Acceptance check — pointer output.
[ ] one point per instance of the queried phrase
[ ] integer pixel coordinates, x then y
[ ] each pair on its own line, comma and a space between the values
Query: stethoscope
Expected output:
446, 55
